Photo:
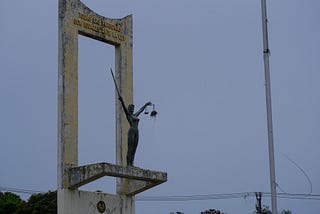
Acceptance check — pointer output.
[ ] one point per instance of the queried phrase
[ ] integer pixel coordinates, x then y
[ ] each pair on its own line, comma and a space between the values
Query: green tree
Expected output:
286, 212
266, 210
9, 202
40, 203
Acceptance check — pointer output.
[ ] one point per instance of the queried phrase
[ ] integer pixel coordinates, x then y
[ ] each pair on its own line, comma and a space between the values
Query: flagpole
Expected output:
266, 54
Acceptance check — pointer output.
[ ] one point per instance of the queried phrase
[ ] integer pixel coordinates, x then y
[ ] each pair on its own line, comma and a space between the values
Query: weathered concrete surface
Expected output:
82, 175
83, 202
74, 19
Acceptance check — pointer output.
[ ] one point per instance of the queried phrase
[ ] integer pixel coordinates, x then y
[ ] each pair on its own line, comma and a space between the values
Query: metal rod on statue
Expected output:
115, 83
266, 53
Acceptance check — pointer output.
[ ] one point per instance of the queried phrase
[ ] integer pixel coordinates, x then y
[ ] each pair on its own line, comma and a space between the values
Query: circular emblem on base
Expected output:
101, 206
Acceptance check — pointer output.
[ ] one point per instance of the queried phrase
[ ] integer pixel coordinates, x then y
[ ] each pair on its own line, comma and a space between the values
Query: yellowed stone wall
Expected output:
75, 18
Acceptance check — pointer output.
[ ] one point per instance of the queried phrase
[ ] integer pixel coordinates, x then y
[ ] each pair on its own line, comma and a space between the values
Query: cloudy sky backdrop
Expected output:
201, 63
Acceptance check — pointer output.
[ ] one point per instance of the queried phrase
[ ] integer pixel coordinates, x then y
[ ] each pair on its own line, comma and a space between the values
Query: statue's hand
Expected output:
148, 104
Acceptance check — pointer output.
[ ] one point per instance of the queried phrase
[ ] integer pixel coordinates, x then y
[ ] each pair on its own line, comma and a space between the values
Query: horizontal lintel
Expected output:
81, 175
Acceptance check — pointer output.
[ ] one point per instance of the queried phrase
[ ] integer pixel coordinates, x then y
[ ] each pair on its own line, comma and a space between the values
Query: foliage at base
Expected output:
11, 203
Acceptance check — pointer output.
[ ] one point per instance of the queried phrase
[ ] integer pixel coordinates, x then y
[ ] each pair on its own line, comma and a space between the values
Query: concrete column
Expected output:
123, 58
67, 93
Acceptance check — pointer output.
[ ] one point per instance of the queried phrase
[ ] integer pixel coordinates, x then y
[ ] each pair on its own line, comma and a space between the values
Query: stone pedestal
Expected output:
78, 202
72, 200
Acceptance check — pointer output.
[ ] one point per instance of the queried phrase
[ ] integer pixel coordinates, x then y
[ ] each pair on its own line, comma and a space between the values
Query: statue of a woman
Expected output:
133, 133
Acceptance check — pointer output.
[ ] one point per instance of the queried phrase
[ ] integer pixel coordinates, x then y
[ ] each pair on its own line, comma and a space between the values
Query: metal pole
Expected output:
266, 53
258, 205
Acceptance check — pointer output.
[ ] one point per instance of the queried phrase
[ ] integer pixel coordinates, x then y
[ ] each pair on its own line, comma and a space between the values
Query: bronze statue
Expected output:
133, 132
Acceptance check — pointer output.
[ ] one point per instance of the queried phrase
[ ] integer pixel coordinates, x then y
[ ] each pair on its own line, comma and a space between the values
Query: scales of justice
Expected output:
75, 18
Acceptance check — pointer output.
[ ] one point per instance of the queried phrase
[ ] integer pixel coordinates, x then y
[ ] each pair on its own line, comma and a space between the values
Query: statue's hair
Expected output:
130, 106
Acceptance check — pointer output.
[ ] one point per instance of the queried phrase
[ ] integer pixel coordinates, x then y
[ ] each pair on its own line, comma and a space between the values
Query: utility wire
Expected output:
226, 196
296, 196
173, 198
16, 190
196, 197
301, 169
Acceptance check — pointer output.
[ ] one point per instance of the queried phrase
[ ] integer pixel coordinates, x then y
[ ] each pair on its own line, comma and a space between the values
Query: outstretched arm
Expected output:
142, 108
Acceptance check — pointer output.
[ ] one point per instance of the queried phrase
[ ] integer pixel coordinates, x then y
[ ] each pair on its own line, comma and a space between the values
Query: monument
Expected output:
75, 18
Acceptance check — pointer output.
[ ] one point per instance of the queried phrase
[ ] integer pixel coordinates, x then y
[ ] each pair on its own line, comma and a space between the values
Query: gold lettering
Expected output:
107, 32
99, 26
114, 35
84, 17
96, 21
77, 22
121, 37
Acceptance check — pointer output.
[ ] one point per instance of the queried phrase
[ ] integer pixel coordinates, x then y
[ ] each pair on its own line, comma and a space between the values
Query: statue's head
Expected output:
131, 108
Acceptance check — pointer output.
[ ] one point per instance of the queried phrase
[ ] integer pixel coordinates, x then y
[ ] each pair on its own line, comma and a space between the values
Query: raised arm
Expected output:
124, 106
142, 108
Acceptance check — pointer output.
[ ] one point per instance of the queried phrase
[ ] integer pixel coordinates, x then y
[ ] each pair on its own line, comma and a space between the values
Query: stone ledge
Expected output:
139, 179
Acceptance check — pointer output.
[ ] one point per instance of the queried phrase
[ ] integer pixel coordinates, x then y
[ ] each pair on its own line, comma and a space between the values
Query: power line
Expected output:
222, 196
195, 197
226, 196
301, 169
297, 196
16, 190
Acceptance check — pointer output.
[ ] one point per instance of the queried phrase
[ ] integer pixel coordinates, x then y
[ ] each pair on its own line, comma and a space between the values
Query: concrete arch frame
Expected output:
76, 18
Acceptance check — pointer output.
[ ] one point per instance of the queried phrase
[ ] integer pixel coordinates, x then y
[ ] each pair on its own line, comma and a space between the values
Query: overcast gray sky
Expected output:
201, 63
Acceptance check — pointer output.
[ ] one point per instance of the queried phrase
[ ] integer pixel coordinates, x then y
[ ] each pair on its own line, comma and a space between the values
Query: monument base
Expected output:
133, 181
137, 179
83, 202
